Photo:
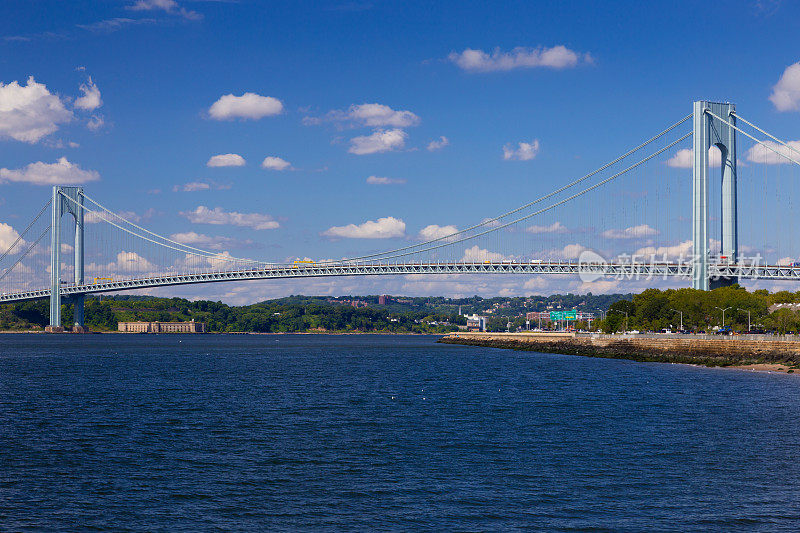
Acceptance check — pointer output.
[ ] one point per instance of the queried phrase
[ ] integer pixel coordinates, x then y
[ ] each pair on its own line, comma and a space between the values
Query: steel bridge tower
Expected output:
710, 131
66, 200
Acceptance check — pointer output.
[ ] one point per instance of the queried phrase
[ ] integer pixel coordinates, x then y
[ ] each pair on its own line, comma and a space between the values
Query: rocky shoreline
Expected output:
723, 352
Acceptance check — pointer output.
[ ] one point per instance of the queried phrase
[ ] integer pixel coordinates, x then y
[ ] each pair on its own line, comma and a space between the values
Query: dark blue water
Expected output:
190, 433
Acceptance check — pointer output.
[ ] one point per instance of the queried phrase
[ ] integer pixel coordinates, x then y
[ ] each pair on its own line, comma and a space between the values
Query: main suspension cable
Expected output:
19, 237
552, 206
538, 200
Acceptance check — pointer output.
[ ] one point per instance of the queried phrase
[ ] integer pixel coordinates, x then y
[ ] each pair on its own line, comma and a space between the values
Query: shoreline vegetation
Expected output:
301, 314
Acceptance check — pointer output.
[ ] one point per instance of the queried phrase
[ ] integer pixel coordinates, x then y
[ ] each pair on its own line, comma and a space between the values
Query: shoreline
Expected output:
762, 355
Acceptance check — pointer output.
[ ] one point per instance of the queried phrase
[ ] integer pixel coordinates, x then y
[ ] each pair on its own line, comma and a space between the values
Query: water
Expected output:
287, 433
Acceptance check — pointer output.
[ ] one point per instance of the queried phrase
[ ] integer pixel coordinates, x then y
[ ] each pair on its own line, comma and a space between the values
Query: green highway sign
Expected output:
563, 315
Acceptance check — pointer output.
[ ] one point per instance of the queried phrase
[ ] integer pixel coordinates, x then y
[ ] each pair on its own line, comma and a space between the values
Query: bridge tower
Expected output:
708, 132
66, 200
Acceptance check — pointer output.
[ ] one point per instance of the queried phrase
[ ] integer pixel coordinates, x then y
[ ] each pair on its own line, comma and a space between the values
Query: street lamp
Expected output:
681, 312
723, 313
748, 318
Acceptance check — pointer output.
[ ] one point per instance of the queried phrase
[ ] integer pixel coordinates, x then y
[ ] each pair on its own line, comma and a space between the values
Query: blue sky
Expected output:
345, 90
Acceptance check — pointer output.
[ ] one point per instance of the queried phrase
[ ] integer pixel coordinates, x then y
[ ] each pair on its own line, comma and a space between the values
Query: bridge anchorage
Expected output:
600, 225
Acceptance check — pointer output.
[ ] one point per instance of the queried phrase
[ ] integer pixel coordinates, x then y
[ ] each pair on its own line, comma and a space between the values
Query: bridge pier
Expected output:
709, 131
66, 200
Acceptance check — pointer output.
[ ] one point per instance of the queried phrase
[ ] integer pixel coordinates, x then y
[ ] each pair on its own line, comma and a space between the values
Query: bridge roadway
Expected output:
623, 271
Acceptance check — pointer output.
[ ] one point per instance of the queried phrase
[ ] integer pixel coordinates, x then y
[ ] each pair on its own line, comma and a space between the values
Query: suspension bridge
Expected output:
628, 219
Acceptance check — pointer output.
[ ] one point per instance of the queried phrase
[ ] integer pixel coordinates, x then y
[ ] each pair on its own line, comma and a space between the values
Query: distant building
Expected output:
383, 299
162, 327
476, 323
359, 303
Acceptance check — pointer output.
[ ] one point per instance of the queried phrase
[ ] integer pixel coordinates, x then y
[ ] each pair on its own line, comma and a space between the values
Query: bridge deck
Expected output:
627, 271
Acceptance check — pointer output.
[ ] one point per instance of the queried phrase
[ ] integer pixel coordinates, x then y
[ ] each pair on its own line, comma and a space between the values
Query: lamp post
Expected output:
681, 312
748, 318
723, 313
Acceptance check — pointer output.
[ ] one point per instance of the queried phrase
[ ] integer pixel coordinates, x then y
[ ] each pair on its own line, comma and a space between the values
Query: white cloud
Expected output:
476, 254
523, 152
226, 160
132, 262
194, 186
684, 158
683, 249
204, 215
91, 97
170, 6
786, 93
633, 232
208, 242
760, 154
381, 180
131, 216
30, 112
248, 106
383, 228
557, 57
372, 115
61, 172
438, 144
95, 123
379, 141
275, 163
7, 237
555, 227
433, 231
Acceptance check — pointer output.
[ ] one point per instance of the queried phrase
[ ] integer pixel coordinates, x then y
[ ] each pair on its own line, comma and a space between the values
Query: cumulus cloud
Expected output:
383, 228
226, 160
62, 172
248, 106
523, 152
438, 144
557, 57
633, 232
555, 227
381, 180
194, 186
201, 240
684, 158
379, 141
30, 112
570, 251
434, 231
786, 93
91, 96
170, 6
477, 254
218, 216
7, 237
761, 154
372, 115
683, 249
95, 123
131, 216
131, 262
275, 163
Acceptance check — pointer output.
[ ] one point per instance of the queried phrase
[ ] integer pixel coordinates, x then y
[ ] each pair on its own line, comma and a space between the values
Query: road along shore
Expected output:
767, 353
